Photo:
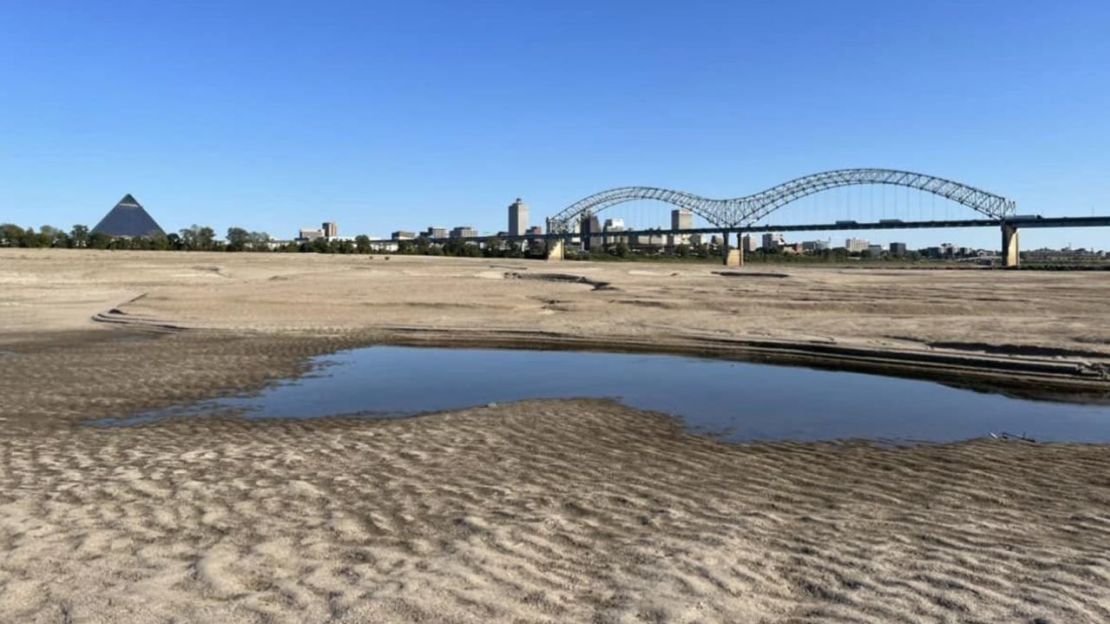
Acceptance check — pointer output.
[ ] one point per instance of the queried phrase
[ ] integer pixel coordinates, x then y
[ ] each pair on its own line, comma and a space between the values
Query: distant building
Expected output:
591, 232
463, 231
773, 240
875, 250
898, 249
815, 245
331, 229
614, 225
403, 235
434, 232
518, 218
681, 219
305, 235
747, 243
535, 230
856, 245
128, 219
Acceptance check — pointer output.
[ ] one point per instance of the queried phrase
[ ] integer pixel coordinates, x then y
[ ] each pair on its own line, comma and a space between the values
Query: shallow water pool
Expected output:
736, 401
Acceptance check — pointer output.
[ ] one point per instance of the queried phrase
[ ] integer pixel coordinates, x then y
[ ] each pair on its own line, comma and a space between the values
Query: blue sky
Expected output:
275, 115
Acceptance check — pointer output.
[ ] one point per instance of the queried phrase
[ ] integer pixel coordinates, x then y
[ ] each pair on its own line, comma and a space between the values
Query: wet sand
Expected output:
546, 511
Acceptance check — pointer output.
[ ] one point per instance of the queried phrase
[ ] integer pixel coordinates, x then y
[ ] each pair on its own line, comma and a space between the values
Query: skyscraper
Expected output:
591, 232
681, 219
518, 218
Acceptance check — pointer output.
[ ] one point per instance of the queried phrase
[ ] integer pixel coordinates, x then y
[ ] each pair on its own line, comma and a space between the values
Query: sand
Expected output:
545, 511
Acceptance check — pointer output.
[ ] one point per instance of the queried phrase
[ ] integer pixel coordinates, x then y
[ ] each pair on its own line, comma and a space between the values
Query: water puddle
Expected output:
736, 401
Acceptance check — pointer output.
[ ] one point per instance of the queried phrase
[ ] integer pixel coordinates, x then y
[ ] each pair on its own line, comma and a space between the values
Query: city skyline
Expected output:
380, 118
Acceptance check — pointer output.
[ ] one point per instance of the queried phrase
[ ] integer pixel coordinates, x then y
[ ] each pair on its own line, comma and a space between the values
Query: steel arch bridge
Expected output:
738, 212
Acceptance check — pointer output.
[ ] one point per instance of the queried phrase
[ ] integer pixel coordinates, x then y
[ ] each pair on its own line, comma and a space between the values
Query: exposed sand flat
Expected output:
542, 512
532, 512
1048, 330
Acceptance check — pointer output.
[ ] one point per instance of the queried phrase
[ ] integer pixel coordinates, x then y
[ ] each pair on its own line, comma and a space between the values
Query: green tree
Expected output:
79, 235
259, 241
10, 234
206, 238
237, 239
362, 244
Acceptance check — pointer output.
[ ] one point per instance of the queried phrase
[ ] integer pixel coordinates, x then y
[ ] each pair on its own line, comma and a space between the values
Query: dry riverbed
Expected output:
545, 511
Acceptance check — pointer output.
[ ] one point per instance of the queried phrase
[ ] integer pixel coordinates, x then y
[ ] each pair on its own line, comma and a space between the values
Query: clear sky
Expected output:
276, 115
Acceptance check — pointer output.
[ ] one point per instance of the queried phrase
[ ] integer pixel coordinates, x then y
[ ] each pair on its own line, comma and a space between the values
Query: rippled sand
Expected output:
542, 512
547, 511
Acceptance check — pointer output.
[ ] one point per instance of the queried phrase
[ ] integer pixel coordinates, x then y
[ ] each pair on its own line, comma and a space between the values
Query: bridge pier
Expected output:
556, 250
733, 256
1011, 254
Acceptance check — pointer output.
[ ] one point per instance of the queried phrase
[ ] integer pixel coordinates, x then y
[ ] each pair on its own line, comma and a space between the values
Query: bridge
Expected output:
740, 215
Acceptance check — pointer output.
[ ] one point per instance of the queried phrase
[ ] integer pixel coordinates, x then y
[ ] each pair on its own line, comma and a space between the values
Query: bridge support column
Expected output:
1011, 254
556, 250
733, 256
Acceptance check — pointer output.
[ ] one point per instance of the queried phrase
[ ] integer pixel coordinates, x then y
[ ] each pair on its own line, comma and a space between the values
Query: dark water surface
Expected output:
737, 401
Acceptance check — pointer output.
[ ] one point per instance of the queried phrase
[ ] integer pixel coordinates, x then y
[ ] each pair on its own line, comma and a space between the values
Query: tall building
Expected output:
434, 232
591, 232
747, 243
681, 219
897, 249
518, 218
331, 229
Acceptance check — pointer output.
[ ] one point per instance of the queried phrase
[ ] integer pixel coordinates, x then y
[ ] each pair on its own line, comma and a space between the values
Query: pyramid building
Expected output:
129, 219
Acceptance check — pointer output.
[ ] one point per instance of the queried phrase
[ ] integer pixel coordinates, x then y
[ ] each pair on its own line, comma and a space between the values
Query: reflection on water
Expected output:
737, 401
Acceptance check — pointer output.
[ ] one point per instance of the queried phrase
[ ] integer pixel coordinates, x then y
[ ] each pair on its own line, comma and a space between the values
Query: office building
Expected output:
330, 229
898, 249
747, 243
856, 245
875, 250
304, 235
815, 245
463, 231
434, 232
518, 218
773, 240
611, 226
591, 232
403, 235
681, 219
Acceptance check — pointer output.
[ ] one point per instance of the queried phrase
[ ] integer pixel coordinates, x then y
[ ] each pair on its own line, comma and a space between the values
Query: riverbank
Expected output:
1026, 332
541, 511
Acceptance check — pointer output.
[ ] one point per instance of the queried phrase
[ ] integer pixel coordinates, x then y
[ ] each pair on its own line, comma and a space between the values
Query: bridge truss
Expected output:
736, 213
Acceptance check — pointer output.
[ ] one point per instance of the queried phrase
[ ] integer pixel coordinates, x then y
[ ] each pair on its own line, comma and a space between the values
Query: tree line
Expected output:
203, 238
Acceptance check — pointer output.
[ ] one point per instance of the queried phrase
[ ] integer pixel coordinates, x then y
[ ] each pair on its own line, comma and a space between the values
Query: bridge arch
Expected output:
740, 211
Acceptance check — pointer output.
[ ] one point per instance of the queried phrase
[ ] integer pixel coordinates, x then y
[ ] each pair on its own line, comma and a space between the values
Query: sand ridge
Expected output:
542, 512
